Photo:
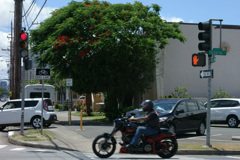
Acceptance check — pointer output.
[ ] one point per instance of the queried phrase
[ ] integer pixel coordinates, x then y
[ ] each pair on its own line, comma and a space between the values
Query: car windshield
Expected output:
164, 107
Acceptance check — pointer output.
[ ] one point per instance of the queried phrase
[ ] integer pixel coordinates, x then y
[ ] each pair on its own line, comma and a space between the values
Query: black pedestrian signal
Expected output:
199, 60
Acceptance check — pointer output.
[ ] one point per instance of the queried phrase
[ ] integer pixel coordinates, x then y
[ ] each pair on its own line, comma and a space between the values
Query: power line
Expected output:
25, 18
29, 8
37, 15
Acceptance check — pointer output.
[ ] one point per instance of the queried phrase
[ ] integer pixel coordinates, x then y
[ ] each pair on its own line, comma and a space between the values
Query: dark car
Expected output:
179, 115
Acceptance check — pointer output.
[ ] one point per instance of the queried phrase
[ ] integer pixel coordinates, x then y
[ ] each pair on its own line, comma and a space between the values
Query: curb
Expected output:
236, 138
207, 152
35, 144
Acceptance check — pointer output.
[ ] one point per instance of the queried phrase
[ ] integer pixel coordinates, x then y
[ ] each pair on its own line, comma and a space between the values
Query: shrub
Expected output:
59, 106
180, 92
80, 104
221, 94
80, 107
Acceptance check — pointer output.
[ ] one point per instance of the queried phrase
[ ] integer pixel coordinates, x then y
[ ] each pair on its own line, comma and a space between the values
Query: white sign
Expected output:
69, 82
42, 74
205, 73
43, 77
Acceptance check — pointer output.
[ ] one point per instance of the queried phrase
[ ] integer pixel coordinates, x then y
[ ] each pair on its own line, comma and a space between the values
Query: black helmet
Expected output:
147, 105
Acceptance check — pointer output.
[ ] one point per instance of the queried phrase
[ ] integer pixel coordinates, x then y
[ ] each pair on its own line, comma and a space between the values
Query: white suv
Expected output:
10, 113
225, 110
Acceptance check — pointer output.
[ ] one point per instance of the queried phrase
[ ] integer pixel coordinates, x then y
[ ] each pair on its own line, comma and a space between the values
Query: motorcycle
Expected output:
164, 144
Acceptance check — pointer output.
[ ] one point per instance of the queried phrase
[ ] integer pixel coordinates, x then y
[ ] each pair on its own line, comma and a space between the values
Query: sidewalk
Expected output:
69, 140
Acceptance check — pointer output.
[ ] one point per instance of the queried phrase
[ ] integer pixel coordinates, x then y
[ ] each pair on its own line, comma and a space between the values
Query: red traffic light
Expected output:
23, 44
23, 36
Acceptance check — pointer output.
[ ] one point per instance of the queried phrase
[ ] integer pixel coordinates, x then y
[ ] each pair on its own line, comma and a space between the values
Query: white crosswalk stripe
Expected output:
3, 146
17, 149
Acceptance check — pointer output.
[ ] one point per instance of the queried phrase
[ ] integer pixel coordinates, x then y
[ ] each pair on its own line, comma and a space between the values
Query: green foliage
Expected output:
104, 47
60, 107
80, 107
221, 94
180, 92
3, 92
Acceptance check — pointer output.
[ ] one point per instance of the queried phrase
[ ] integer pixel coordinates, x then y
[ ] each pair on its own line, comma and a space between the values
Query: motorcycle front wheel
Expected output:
102, 147
172, 147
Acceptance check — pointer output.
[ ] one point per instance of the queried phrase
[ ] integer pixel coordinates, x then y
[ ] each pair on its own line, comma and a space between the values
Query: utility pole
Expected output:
11, 78
16, 56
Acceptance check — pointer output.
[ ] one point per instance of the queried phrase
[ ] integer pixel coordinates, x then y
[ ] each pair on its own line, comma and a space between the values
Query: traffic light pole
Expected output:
208, 105
210, 81
209, 92
23, 97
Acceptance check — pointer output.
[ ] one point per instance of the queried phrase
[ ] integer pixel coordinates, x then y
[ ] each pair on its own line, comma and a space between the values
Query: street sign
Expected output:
42, 74
217, 51
69, 82
206, 73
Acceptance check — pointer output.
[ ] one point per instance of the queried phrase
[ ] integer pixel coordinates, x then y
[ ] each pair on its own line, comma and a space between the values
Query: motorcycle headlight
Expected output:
162, 119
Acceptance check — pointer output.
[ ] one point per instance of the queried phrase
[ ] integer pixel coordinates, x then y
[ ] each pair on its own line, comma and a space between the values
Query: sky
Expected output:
187, 11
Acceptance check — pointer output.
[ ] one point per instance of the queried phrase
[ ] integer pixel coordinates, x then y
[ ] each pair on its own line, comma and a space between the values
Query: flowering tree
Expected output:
104, 47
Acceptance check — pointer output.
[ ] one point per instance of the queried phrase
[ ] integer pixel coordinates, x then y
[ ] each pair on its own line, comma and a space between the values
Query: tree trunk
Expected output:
88, 103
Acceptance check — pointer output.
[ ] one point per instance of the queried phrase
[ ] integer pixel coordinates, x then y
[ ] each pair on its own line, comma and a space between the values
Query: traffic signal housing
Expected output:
23, 44
199, 60
205, 36
28, 63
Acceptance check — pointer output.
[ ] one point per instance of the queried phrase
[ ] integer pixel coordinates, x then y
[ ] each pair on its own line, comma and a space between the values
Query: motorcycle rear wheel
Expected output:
103, 148
172, 144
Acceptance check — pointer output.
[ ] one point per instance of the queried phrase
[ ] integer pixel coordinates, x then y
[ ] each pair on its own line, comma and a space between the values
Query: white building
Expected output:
175, 66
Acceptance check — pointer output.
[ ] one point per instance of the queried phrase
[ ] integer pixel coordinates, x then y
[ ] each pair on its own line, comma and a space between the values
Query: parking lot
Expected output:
219, 134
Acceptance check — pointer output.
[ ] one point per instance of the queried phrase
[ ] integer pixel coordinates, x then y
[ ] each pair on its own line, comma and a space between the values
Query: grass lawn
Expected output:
34, 135
100, 117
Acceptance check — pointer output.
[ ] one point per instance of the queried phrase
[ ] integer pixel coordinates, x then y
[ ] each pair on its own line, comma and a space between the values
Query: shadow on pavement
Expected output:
85, 123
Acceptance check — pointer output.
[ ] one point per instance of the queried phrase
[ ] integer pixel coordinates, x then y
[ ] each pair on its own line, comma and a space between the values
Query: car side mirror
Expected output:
179, 111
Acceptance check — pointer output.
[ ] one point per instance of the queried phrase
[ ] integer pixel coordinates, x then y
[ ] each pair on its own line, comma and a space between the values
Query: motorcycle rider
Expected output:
151, 126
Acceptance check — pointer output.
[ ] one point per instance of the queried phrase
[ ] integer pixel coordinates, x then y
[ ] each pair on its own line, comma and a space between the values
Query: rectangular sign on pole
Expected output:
206, 74
217, 51
69, 82
42, 74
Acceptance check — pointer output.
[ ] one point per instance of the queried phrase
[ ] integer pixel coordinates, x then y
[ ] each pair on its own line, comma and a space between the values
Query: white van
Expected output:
35, 91
10, 113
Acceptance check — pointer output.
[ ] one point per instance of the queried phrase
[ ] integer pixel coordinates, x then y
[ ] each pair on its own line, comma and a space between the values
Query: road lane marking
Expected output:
216, 135
2, 146
17, 149
233, 157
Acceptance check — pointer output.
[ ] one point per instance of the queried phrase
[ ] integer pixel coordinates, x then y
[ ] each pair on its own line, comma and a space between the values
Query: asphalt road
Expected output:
219, 134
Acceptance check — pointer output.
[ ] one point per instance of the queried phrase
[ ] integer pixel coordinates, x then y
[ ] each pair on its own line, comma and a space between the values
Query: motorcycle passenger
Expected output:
151, 126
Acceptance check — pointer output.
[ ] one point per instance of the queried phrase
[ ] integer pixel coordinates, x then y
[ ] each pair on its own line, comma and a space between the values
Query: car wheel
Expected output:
36, 122
232, 121
172, 128
201, 129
